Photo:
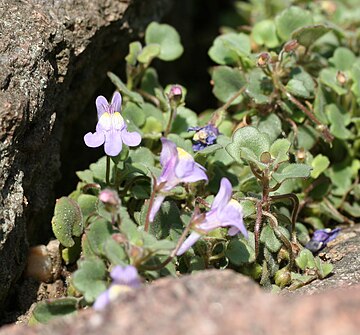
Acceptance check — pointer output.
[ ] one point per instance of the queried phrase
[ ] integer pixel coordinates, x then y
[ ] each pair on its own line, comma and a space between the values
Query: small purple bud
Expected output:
110, 198
263, 59
175, 94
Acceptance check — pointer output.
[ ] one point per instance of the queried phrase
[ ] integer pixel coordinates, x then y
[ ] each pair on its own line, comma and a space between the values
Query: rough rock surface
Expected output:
212, 302
53, 56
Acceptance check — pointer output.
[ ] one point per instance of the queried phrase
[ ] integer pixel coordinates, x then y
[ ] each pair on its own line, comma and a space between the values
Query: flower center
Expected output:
111, 121
182, 154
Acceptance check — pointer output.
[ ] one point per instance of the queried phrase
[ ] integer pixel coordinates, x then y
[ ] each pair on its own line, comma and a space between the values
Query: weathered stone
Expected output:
53, 57
212, 302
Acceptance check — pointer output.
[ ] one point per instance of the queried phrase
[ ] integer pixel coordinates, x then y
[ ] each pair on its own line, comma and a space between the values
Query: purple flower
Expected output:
111, 128
178, 167
321, 238
224, 212
124, 279
204, 136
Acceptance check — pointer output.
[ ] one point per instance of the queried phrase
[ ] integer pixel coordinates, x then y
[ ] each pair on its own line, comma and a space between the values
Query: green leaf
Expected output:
133, 114
328, 78
142, 155
343, 59
97, 233
248, 143
72, 254
135, 97
270, 125
89, 279
150, 81
324, 269
47, 310
279, 150
148, 53
319, 164
87, 204
292, 171
264, 33
306, 36
227, 83
241, 251
297, 88
248, 207
305, 260
115, 253
67, 221
168, 39
184, 119
269, 238
338, 119
226, 48
291, 19
134, 50
259, 87
320, 104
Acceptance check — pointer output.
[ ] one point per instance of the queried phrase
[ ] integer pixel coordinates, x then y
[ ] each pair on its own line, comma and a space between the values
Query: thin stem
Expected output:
173, 253
257, 227
107, 170
151, 203
294, 213
231, 100
149, 97
172, 116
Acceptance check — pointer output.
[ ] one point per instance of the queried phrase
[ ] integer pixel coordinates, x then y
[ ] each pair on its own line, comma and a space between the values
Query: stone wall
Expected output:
54, 55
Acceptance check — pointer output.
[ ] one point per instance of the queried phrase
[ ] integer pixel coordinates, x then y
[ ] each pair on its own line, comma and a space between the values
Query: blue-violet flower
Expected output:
204, 136
124, 279
111, 128
178, 167
224, 212
321, 238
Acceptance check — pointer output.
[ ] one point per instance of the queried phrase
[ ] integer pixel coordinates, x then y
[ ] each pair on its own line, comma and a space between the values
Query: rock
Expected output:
54, 55
212, 302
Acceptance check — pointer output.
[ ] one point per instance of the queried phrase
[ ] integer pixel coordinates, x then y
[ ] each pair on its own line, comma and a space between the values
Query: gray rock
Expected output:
54, 54
212, 303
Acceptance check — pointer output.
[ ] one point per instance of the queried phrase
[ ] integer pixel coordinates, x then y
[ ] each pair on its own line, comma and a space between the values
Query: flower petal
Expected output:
102, 105
132, 139
156, 206
116, 102
188, 243
102, 301
223, 196
167, 152
198, 173
113, 143
126, 275
94, 140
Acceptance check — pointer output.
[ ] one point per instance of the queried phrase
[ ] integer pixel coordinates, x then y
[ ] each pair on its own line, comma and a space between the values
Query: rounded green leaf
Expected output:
227, 48
306, 36
240, 252
89, 279
292, 171
329, 78
264, 33
343, 59
291, 19
47, 310
148, 53
248, 143
279, 150
67, 221
319, 164
227, 83
134, 50
97, 233
167, 38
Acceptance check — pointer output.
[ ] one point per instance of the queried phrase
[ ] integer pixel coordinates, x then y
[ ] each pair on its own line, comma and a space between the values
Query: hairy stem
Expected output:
151, 203
257, 228
107, 178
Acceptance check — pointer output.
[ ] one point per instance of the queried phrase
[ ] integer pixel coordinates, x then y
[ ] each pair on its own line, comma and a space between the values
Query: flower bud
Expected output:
283, 277
291, 46
263, 59
341, 78
175, 93
110, 198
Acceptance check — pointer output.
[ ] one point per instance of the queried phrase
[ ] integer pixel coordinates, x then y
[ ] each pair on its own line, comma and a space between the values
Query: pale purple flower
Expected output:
224, 212
125, 278
178, 167
321, 238
111, 128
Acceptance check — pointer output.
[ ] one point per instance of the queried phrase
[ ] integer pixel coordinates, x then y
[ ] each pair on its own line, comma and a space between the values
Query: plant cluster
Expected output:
242, 186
